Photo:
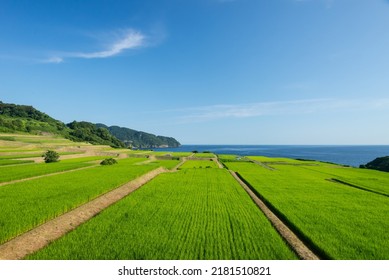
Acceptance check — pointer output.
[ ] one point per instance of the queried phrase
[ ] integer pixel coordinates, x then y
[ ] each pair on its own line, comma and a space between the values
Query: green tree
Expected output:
51, 156
109, 161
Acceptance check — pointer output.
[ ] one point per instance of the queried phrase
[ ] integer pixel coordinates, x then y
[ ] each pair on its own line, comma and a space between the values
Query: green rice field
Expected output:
204, 155
191, 214
199, 164
339, 221
13, 162
28, 204
11, 173
198, 212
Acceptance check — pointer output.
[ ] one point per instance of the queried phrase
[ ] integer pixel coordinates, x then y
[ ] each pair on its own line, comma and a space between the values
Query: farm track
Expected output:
41, 236
175, 169
46, 175
264, 165
216, 160
292, 239
150, 159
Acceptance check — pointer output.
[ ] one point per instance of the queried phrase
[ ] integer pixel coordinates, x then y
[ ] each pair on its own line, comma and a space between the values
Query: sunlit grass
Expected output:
340, 221
191, 214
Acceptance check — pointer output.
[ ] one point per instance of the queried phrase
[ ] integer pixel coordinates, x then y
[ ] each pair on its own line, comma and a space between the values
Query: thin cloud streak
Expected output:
282, 108
131, 40
54, 59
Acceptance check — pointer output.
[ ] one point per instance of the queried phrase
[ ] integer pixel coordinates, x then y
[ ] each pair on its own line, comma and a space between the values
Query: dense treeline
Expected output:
140, 139
88, 132
27, 119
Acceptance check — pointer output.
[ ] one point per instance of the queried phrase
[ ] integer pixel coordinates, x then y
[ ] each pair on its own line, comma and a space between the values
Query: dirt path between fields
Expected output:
45, 175
216, 160
264, 165
294, 242
41, 236
150, 159
183, 160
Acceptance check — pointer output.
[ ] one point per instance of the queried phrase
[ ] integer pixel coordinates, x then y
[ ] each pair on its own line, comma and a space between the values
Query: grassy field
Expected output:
226, 158
191, 214
198, 164
169, 164
13, 162
172, 154
275, 160
11, 173
204, 155
24, 155
371, 180
30, 203
198, 212
341, 222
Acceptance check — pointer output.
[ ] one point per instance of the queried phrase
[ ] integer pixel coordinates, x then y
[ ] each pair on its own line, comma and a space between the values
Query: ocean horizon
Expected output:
353, 155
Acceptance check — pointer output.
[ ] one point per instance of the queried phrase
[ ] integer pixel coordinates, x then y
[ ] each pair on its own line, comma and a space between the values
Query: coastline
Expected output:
352, 155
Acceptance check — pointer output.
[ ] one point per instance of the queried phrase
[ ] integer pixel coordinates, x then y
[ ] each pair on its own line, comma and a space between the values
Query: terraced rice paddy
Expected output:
11, 173
172, 154
197, 212
191, 214
339, 221
279, 160
30, 203
371, 180
169, 164
13, 162
198, 164
204, 155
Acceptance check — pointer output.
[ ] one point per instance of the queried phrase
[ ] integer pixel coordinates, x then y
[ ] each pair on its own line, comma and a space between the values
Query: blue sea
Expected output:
347, 155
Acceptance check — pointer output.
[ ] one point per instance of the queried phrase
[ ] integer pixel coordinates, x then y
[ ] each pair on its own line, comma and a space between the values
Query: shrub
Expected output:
51, 156
109, 161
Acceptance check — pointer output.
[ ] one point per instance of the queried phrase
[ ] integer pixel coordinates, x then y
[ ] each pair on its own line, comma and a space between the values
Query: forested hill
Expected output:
27, 119
21, 118
140, 139
89, 132
381, 163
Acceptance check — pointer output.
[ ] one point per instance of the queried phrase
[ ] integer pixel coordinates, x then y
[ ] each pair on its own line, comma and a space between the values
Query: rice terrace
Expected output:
155, 205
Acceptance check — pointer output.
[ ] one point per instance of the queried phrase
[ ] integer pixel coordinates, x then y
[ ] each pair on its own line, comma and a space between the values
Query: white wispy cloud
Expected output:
129, 39
53, 59
279, 108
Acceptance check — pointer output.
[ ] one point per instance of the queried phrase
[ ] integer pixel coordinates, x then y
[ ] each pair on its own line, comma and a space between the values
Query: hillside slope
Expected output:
21, 118
140, 139
89, 132
27, 119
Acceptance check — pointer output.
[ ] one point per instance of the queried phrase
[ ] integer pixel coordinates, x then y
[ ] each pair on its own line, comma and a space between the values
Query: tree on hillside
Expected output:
51, 156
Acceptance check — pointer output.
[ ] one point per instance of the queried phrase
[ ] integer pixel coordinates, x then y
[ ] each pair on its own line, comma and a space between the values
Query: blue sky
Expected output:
204, 71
